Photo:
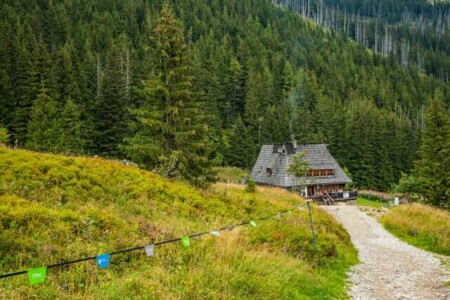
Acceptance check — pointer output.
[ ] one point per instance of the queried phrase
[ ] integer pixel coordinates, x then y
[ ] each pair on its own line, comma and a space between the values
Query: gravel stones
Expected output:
390, 268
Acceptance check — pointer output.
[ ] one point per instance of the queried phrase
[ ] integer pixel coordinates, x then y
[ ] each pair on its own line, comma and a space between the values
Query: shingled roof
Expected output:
274, 159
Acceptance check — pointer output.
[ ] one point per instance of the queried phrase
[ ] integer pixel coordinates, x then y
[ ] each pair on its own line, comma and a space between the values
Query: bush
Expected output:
4, 136
251, 186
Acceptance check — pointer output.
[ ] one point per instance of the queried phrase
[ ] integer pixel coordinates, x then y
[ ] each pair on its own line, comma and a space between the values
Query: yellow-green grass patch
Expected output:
421, 225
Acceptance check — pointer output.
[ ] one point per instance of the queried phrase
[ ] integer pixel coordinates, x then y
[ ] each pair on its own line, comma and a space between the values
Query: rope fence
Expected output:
331, 210
37, 275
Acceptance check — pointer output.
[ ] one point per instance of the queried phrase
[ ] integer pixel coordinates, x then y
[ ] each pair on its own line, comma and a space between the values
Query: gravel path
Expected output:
390, 268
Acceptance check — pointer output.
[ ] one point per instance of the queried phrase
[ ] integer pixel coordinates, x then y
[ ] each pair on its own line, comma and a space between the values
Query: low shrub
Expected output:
251, 186
4, 136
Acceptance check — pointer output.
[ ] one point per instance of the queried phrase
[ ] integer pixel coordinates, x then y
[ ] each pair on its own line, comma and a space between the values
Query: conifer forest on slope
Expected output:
88, 77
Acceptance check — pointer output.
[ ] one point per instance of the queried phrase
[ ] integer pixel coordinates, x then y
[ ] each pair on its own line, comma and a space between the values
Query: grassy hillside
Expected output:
55, 208
421, 225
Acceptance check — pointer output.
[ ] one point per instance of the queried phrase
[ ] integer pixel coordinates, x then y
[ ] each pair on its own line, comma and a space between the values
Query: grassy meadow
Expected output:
363, 201
55, 208
423, 226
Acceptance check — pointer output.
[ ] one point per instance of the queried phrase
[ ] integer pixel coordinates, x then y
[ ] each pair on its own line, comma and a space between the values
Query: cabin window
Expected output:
269, 171
329, 172
324, 172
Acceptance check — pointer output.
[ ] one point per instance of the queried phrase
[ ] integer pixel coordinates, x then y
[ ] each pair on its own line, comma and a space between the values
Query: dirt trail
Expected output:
390, 268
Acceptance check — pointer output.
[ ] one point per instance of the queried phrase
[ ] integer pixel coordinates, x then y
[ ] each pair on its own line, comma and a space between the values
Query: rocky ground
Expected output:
390, 268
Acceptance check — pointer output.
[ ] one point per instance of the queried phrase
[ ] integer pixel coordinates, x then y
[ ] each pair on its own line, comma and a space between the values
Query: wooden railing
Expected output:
347, 195
327, 199
331, 197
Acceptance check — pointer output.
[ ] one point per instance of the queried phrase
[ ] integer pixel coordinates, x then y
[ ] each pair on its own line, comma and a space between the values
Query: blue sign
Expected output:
103, 260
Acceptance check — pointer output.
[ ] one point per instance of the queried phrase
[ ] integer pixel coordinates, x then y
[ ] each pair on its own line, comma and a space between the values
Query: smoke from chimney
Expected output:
293, 141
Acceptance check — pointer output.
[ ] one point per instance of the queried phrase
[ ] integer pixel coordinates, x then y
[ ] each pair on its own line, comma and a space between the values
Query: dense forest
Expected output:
90, 77
415, 33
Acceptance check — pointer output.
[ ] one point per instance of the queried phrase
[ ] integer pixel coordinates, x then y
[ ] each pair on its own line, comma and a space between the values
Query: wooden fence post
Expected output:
312, 228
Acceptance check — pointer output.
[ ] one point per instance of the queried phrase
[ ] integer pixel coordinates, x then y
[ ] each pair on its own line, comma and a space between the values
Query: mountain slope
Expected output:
415, 33
260, 72
56, 208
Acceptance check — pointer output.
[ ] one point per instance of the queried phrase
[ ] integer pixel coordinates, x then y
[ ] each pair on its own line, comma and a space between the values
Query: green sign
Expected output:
37, 275
185, 241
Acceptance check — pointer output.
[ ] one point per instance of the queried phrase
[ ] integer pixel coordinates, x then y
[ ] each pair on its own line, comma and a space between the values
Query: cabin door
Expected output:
311, 191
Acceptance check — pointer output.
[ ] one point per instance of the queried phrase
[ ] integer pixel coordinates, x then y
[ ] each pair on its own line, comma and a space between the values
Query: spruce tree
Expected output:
288, 80
6, 100
69, 129
432, 169
111, 114
43, 126
259, 91
24, 95
171, 129
240, 146
234, 90
68, 76
383, 166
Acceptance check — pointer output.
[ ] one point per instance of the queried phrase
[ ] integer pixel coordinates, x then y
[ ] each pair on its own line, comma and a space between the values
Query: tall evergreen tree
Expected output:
68, 76
6, 100
432, 168
111, 115
171, 127
258, 99
235, 90
69, 129
43, 126
24, 95
241, 146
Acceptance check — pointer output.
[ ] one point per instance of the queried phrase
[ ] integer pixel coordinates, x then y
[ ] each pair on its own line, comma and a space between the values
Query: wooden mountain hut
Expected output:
325, 180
